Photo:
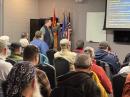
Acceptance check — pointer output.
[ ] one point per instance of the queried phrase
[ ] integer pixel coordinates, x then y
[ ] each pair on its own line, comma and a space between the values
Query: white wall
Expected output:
17, 15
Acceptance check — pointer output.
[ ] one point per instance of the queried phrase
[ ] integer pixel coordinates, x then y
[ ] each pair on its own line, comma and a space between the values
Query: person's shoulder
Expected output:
23, 40
5, 65
74, 53
57, 54
124, 69
42, 29
40, 71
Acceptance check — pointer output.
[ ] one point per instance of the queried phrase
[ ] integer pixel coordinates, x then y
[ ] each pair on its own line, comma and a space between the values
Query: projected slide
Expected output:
118, 14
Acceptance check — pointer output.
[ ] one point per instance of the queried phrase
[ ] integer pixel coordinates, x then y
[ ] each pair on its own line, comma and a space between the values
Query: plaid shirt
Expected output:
44, 82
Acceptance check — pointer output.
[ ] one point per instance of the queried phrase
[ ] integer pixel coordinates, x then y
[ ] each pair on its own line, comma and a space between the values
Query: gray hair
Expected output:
83, 61
80, 44
104, 45
90, 51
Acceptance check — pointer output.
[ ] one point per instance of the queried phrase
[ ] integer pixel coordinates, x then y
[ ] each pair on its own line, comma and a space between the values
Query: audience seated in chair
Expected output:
5, 67
62, 66
104, 54
24, 39
22, 81
38, 41
66, 53
84, 63
77, 83
31, 54
79, 46
105, 81
15, 52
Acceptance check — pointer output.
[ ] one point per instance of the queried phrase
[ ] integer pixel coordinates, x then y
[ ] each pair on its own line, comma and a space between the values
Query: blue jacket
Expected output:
109, 58
43, 47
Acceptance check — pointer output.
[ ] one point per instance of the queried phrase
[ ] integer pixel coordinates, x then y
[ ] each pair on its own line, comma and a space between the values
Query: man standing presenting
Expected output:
47, 33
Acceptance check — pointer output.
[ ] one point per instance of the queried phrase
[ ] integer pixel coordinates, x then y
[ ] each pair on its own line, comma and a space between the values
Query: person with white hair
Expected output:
24, 39
66, 53
5, 67
6, 39
105, 81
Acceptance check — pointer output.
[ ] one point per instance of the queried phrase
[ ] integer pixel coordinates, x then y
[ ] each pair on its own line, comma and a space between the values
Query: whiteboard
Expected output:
94, 27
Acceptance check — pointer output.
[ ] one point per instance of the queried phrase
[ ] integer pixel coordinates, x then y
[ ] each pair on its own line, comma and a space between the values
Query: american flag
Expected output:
66, 27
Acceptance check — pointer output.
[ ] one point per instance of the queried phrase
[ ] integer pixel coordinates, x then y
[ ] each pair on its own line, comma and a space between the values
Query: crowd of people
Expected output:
90, 72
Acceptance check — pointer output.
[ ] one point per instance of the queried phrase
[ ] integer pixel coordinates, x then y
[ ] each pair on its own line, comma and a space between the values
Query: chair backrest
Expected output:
118, 81
50, 54
11, 61
105, 66
51, 73
61, 65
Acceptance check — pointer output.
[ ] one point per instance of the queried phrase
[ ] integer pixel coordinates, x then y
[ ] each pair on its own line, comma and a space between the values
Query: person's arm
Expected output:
42, 30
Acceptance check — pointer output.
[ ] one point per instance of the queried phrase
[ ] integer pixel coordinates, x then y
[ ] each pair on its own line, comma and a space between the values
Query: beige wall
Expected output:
1, 17
78, 17
78, 12
17, 14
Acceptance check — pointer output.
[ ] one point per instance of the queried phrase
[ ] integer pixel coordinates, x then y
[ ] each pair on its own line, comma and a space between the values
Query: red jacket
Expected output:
102, 77
126, 89
79, 51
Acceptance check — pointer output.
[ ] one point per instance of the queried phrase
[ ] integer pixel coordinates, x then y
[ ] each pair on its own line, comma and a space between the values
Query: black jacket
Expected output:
81, 81
47, 38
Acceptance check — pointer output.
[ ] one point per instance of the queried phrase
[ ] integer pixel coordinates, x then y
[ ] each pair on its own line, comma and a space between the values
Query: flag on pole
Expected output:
69, 28
64, 25
55, 33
